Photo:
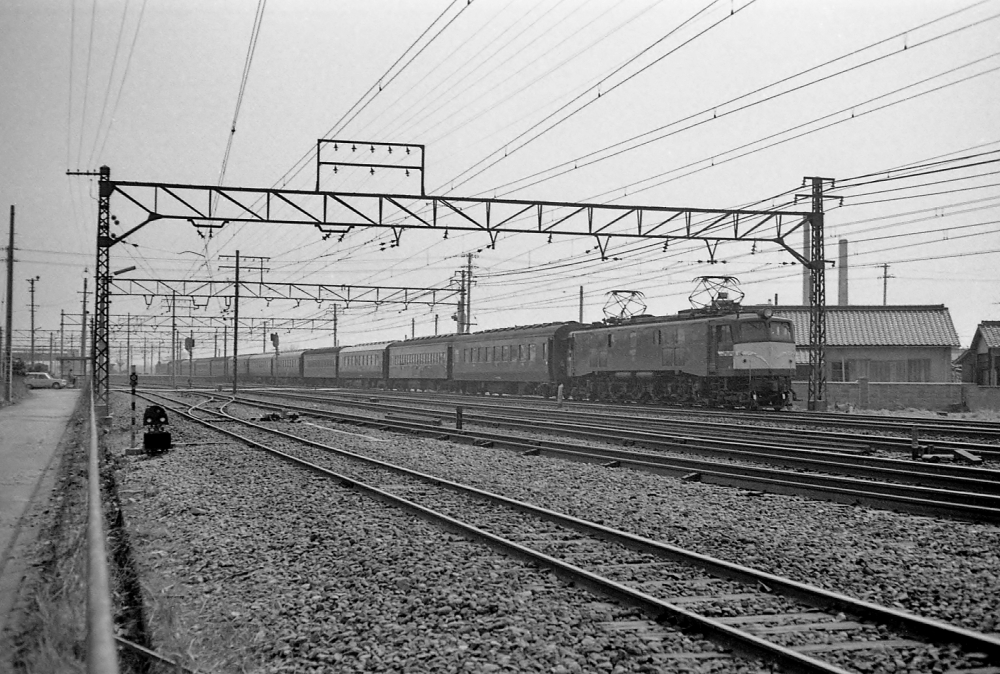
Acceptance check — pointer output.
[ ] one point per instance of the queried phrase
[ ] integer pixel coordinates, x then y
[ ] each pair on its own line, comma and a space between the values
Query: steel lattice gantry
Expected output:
337, 213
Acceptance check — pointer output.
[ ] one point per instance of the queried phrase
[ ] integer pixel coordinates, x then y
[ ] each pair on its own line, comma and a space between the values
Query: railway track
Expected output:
796, 626
943, 491
652, 422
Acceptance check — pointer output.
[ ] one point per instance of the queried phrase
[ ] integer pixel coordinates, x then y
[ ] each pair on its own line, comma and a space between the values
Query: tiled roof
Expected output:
878, 325
990, 330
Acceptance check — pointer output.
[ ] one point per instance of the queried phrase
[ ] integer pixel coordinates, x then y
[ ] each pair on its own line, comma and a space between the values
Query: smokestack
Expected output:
842, 275
807, 254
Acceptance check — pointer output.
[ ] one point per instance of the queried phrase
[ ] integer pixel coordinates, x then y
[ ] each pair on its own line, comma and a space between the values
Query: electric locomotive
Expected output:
716, 357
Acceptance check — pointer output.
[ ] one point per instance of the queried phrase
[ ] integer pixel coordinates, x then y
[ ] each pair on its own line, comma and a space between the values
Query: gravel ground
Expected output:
939, 568
251, 565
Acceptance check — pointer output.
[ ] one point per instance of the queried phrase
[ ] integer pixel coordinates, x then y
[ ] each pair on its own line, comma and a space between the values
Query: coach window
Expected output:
520, 352
545, 351
532, 351
610, 339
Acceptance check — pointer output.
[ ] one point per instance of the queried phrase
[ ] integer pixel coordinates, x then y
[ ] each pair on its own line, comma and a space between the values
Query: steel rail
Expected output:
763, 448
912, 498
802, 435
102, 655
825, 599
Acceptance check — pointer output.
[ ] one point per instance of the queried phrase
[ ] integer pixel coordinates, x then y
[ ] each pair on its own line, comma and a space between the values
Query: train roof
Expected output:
371, 346
538, 328
686, 316
324, 350
423, 341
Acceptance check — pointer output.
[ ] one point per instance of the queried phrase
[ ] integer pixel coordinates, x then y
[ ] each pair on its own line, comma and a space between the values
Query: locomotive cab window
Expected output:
724, 337
753, 331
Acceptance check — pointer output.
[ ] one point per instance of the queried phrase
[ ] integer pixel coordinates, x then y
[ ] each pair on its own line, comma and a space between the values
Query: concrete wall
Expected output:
897, 396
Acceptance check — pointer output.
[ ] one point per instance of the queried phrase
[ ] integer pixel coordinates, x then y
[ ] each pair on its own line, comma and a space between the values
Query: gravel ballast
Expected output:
251, 564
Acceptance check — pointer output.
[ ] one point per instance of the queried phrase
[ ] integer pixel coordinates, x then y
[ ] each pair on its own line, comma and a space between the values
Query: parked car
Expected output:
43, 380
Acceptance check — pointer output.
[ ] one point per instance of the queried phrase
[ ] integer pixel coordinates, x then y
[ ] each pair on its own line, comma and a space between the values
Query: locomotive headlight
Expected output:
766, 313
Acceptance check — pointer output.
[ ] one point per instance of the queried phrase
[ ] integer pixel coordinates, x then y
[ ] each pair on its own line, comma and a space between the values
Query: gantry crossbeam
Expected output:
336, 213
208, 289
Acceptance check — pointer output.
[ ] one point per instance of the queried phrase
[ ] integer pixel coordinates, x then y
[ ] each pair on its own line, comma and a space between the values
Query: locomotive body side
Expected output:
702, 360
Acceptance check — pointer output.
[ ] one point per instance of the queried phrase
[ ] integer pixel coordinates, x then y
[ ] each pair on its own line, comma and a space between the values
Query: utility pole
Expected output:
885, 283
32, 282
435, 325
62, 343
460, 311
335, 325
83, 331
7, 362
816, 398
413, 327
128, 343
264, 339
236, 321
581, 304
52, 339
173, 339
468, 294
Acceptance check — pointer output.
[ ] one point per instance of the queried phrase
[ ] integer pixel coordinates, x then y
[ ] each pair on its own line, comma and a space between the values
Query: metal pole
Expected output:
8, 371
468, 296
173, 339
236, 322
102, 294
581, 304
335, 325
128, 342
817, 303
31, 291
62, 343
52, 339
83, 332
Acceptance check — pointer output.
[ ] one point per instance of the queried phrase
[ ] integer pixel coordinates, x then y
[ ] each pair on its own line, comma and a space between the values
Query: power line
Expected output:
714, 110
121, 85
586, 104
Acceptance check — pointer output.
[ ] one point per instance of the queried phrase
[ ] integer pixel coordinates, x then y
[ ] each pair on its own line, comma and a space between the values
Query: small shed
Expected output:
880, 343
981, 363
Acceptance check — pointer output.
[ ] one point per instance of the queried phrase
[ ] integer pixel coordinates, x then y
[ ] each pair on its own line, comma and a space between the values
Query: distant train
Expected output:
731, 359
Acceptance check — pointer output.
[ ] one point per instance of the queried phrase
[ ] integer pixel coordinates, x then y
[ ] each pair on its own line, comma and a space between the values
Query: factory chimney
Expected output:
842, 275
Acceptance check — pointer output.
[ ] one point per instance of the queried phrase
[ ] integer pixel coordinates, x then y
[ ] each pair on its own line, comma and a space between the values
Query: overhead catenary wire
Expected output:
475, 170
121, 85
108, 88
585, 160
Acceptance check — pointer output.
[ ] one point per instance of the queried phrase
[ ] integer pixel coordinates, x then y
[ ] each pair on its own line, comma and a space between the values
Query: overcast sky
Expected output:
739, 100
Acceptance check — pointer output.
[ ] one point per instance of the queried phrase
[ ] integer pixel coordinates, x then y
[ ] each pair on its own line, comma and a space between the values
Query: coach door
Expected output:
448, 363
720, 355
